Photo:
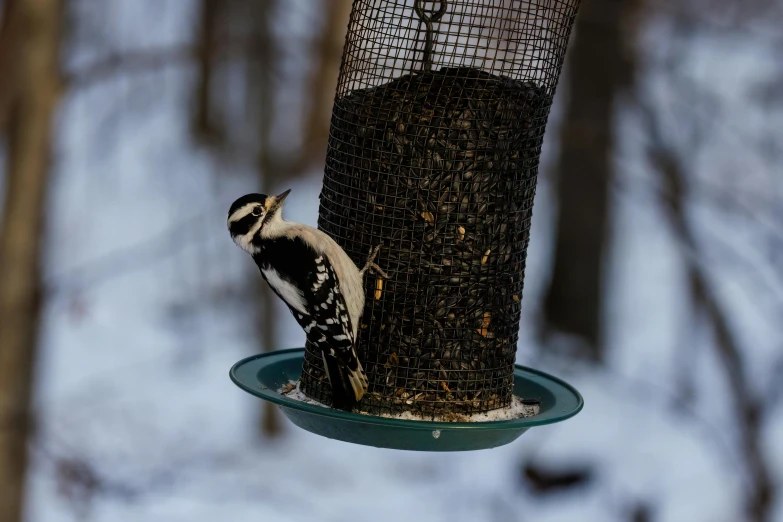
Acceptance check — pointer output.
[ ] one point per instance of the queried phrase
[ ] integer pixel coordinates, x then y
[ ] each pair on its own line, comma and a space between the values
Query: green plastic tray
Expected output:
262, 375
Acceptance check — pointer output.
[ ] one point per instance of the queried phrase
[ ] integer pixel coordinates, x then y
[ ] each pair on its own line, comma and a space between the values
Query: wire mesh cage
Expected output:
433, 153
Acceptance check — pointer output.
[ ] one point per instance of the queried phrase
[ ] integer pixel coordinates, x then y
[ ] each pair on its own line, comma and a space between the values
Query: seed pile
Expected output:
440, 169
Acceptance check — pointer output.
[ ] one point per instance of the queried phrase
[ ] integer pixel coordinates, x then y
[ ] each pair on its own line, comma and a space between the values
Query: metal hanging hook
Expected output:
428, 20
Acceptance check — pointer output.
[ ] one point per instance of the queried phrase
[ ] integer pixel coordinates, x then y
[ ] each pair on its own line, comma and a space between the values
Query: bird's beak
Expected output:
279, 200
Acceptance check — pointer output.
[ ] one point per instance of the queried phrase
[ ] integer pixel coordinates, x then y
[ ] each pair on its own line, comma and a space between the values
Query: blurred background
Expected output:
654, 283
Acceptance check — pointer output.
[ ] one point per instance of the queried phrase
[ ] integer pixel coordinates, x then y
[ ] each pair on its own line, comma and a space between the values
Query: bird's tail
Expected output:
348, 380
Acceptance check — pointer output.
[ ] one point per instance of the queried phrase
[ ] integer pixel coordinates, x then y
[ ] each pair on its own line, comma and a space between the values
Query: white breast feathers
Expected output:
288, 292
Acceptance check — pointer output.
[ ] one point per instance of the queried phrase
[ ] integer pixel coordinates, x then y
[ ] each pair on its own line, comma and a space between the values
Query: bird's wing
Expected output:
307, 282
330, 330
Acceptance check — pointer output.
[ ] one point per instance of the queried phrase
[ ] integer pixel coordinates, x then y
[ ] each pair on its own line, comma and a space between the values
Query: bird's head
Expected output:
254, 215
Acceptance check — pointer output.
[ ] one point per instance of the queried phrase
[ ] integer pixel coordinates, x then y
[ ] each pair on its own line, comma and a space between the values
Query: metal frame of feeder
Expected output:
433, 153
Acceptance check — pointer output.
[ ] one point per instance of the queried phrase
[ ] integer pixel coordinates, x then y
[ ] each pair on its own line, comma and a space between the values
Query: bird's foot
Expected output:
370, 265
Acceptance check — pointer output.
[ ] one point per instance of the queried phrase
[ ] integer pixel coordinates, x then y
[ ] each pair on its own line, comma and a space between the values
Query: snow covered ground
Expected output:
150, 307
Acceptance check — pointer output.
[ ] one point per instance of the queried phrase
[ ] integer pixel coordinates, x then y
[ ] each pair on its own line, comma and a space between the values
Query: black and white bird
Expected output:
321, 285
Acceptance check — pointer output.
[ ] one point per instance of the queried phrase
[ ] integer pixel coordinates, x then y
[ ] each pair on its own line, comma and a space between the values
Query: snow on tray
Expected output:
516, 410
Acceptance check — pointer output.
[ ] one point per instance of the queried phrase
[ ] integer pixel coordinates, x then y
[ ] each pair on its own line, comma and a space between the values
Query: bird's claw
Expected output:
371, 265
378, 270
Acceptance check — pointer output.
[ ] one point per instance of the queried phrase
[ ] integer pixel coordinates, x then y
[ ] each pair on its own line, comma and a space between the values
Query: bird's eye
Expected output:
257, 211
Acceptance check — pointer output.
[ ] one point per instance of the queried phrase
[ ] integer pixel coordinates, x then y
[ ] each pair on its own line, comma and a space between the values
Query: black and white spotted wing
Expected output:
308, 284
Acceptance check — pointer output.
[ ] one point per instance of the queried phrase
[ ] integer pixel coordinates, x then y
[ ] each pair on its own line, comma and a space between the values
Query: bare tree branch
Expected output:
131, 62
749, 407
775, 392
149, 60
123, 261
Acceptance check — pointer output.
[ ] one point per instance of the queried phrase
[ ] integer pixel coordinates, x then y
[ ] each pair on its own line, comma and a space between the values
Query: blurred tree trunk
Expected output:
273, 172
669, 157
28, 131
10, 30
270, 423
212, 118
600, 67
203, 125
317, 118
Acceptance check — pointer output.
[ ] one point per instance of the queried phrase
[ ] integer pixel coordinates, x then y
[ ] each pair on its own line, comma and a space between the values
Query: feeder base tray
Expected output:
263, 375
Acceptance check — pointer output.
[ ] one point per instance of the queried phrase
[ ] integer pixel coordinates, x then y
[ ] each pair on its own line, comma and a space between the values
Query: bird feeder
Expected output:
433, 154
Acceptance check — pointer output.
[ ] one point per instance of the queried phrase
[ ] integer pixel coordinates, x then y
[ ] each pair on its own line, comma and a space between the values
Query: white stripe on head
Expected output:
241, 212
245, 241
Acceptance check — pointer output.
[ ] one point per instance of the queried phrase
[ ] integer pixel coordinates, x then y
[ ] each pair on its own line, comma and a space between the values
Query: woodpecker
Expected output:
321, 285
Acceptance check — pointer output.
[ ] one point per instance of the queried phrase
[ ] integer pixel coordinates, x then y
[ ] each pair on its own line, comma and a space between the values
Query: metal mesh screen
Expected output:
433, 154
